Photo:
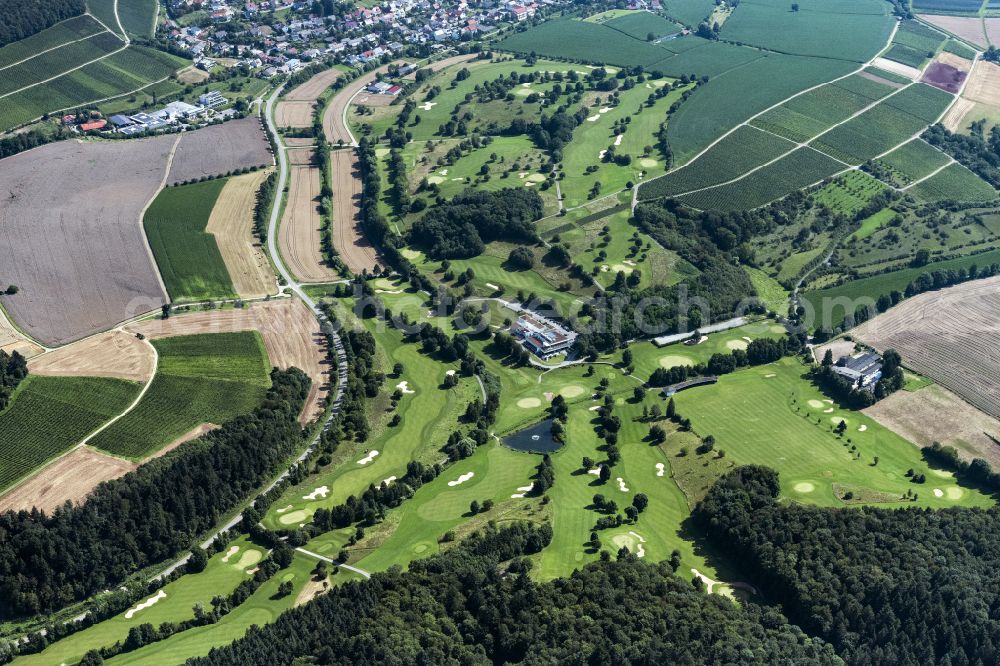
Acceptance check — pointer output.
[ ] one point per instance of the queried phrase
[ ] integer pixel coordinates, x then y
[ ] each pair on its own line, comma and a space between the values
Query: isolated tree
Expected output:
285, 588
588, 463
640, 502
474, 507
198, 560
795, 6
487, 505
828, 358
12, 289
671, 409
605, 473
638, 393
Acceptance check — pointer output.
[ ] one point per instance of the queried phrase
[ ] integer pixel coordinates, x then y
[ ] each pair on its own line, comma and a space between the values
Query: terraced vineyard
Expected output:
912, 161
54, 37
955, 183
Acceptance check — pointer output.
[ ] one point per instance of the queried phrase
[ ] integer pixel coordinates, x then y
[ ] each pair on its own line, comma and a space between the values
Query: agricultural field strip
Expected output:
774, 106
806, 144
127, 41
135, 403
951, 160
54, 48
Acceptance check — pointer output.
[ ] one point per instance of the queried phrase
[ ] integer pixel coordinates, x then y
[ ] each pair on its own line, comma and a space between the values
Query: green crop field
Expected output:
873, 90
49, 415
741, 151
849, 193
429, 413
219, 578
959, 49
208, 378
53, 63
833, 30
639, 25
119, 74
918, 36
872, 224
771, 415
955, 183
585, 42
709, 112
688, 12
769, 290
906, 55
188, 257
807, 115
921, 101
799, 169
69, 30
833, 303
137, 16
913, 161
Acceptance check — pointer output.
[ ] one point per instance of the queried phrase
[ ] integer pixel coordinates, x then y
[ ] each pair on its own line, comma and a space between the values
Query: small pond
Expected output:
536, 439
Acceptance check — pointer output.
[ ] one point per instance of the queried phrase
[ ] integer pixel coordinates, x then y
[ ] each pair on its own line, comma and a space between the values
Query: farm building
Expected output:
863, 370
542, 337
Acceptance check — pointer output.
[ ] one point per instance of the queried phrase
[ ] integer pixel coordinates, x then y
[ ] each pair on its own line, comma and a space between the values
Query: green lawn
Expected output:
208, 378
769, 290
772, 415
188, 257
49, 415
218, 578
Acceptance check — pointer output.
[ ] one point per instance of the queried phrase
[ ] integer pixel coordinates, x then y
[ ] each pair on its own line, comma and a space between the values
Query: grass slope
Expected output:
49, 415
188, 257
208, 378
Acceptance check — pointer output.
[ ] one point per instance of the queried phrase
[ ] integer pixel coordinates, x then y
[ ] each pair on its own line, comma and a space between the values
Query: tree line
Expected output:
13, 368
476, 603
149, 515
884, 586
978, 152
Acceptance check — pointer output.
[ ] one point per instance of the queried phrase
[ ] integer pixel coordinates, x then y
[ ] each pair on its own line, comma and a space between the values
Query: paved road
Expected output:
295, 288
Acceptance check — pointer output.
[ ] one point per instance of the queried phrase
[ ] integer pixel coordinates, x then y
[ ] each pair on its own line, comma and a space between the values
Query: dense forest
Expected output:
885, 586
979, 152
476, 604
148, 515
460, 228
23, 18
13, 368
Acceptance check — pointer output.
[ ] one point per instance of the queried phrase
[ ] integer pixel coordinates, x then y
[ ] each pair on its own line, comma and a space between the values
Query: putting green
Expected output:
421, 548
672, 360
435, 180
777, 329
943, 473
536, 178
412, 255
293, 517
622, 268
954, 492
249, 558
528, 403
571, 391
816, 404
835, 420
803, 487
647, 162
736, 344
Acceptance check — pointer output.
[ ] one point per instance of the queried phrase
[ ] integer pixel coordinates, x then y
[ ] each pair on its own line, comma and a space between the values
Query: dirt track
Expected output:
950, 335
231, 223
290, 331
69, 478
354, 249
299, 233
113, 353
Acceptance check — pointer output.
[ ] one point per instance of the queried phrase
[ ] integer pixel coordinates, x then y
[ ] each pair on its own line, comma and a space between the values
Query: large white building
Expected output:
541, 336
863, 370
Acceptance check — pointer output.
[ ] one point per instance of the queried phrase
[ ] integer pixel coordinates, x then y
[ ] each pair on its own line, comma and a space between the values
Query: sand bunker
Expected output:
427, 106
938, 492
862, 428
462, 479
803, 487
816, 404
618, 139
368, 458
404, 386
594, 118
674, 360
596, 471
145, 604
601, 154
319, 493
661, 469
621, 485
492, 286
736, 344
449, 373
229, 553
389, 479
828, 410
283, 509
571, 391
528, 403
522, 492
768, 376
594, 408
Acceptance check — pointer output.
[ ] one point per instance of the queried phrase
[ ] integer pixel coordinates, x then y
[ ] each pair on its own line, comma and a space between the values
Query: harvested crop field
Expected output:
992, 30
314, 87
984, 84
333, 117
12, 340
354, 249
300, 235
899, 68
935, 414
114, 353
294, 114
953, 119
290, 331
949, 335
220, 149
300, 156
69, 478
369, 99
969, 28
299, 141
231, 222
74, 245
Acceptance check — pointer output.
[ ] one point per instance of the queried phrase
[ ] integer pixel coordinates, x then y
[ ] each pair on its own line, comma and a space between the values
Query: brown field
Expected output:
114, 353
192, 75
951, 335
219, 149
956, 61
299, 234
935, 414
300, 156
354, 249
315, 86
290, 331
231, 222
294, 114
12, 340
984, 84
368, 99
299, 141
969, 28
68, 478
944, 76
993, 30
72, 239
